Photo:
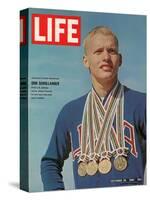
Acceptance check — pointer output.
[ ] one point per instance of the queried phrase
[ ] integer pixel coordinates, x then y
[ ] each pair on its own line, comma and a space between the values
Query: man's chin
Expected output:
106, 78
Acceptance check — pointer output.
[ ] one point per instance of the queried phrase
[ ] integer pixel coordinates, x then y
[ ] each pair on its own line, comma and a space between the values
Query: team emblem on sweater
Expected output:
129, 136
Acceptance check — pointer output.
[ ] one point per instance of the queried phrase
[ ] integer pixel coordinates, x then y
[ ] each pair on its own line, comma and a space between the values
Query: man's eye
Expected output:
112, 51
98, 51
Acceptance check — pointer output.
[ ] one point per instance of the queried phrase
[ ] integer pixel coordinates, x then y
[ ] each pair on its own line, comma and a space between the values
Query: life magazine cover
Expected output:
82, 100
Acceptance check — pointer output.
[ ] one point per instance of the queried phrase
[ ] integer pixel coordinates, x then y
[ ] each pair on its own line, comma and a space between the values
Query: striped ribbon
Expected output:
95, 132
107, 117
118, 139
84, 133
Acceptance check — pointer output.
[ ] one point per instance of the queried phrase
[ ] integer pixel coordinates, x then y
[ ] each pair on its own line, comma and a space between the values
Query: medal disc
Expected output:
82, 169
120, 163
104, 166
91, 168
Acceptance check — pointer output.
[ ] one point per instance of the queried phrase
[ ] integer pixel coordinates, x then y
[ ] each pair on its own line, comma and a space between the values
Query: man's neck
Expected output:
103, 88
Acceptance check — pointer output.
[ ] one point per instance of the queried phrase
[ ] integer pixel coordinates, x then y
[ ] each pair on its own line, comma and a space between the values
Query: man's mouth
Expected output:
106, 67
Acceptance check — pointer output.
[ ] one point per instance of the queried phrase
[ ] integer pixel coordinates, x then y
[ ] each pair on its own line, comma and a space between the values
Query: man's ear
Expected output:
120, 59
85, 61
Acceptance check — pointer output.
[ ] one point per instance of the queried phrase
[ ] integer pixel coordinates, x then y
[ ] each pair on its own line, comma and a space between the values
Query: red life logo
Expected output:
56, 29
22, 30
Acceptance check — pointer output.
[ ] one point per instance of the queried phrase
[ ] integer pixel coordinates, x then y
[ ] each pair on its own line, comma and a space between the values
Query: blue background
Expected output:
66, 63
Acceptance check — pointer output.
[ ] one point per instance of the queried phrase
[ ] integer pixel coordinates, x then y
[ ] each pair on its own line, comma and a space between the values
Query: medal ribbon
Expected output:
97, 126
107, 117
93, 128
84, 133
118, 142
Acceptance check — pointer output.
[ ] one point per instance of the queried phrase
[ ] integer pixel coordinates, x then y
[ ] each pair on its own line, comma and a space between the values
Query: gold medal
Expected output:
120, 163
104, 166
91, 168
82, 169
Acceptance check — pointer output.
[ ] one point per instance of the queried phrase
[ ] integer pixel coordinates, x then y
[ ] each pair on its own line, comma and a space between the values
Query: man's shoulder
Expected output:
134, 94
74, 106
78, 102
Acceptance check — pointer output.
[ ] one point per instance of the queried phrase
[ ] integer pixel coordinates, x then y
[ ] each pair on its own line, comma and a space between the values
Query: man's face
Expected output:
102, 58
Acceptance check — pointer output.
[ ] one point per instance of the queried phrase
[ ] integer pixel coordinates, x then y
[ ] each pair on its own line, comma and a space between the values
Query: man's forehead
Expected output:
102, 38
99, 38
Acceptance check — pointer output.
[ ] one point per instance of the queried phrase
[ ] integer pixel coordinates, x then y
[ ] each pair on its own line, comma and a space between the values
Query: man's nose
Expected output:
106, 55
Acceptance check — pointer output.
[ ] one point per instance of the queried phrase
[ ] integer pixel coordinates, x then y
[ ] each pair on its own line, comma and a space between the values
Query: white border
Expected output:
9, 88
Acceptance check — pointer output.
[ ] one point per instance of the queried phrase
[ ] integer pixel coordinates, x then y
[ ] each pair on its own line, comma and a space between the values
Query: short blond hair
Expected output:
102, 30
